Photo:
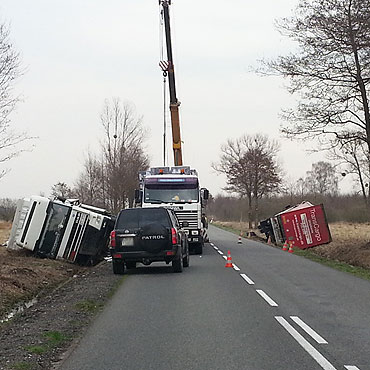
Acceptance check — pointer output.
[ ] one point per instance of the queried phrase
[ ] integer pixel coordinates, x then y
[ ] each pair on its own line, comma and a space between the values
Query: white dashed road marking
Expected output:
269, 300
247, 279
309, 330
317, 356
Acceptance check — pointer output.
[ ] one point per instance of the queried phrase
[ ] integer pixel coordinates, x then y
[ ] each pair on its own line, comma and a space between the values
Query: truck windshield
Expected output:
175, 194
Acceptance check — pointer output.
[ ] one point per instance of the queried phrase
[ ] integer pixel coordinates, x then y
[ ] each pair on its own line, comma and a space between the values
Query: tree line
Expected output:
329, 73
338, 208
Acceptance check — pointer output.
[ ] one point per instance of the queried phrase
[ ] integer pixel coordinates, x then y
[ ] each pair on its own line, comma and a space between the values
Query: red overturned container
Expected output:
304, 225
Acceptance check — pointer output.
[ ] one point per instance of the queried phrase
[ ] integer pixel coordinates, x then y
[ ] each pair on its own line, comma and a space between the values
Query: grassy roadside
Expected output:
358, 271
341, 266
226, 228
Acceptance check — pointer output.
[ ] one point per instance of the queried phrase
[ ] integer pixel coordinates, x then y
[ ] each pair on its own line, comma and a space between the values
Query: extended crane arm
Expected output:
174, 103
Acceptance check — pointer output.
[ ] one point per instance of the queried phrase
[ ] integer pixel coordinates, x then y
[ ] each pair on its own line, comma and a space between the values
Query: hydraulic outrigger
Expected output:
174, 103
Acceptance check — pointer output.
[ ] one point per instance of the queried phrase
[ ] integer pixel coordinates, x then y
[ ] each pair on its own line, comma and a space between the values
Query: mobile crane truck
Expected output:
175, 187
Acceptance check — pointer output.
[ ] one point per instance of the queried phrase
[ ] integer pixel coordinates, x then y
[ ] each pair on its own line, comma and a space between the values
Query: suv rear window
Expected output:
139, 217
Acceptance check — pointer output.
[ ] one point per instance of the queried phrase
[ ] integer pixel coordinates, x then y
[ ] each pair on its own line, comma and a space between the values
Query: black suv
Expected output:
146, 235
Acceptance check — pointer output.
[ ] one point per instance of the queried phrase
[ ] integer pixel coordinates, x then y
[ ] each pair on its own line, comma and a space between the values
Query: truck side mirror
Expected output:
137, 196
205, 194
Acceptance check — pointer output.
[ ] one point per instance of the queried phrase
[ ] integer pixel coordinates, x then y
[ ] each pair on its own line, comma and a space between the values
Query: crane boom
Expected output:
174, 103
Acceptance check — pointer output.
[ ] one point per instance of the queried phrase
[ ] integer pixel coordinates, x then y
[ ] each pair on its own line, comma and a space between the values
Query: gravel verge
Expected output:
39, 337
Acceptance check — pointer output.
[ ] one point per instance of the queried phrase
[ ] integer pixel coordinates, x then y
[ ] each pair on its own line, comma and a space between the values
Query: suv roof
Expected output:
133, 218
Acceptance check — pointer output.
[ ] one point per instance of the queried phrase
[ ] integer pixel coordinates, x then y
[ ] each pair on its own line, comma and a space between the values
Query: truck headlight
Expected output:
195, 232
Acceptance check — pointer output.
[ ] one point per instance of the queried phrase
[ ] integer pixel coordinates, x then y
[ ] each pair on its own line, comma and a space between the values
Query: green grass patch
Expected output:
37, 350
22, 366
55, 338
89, 306
341, 266
115, 287
226, 228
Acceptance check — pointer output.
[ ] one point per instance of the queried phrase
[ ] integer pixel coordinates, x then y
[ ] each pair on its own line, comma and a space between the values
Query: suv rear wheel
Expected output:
177, 264
186, 259
118, 267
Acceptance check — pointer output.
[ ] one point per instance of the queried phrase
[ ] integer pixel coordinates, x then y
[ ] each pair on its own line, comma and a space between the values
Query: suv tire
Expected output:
118, 267
186, 259
177, 264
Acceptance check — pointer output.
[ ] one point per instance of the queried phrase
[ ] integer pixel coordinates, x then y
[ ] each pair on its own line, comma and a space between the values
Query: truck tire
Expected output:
199, 248
118, 267
177, 264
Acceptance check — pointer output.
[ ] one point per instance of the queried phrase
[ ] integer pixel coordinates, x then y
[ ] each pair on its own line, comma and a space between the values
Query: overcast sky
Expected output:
79, 53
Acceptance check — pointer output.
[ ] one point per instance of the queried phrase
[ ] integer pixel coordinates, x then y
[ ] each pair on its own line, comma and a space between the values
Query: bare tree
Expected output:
251, 169
10, 70
123, 152
322, 179
91, 183
331, 71
356, 160
61, 189
7, 209
110, 178
301, 188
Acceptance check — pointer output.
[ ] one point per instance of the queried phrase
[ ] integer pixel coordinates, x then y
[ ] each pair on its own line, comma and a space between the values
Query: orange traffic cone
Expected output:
240, 238
291, 248
228, 261
285, 246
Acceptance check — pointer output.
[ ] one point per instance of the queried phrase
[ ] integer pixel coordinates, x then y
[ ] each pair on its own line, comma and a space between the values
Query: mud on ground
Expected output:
23, 276
68, 297
39, 337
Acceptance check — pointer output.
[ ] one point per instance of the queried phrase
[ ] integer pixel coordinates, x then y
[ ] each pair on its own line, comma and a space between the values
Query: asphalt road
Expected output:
272, 310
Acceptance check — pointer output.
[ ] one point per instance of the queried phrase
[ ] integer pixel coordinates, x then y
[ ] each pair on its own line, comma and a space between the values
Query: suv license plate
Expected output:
128, 242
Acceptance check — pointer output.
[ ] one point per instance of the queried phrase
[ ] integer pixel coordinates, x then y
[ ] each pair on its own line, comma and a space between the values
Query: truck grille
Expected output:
190, 216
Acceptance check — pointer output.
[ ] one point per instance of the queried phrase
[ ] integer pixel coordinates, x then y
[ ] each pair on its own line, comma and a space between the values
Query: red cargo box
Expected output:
306, 227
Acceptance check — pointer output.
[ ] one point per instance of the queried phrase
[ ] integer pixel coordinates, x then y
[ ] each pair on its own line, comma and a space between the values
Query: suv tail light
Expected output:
174, 236
113, 239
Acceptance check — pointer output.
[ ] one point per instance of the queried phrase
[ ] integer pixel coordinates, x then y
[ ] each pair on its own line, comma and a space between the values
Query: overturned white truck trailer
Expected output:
61, 229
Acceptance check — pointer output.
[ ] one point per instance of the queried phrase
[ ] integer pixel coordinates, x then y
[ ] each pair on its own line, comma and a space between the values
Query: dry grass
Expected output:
22, 275
4, 231
351, 244
239, 227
